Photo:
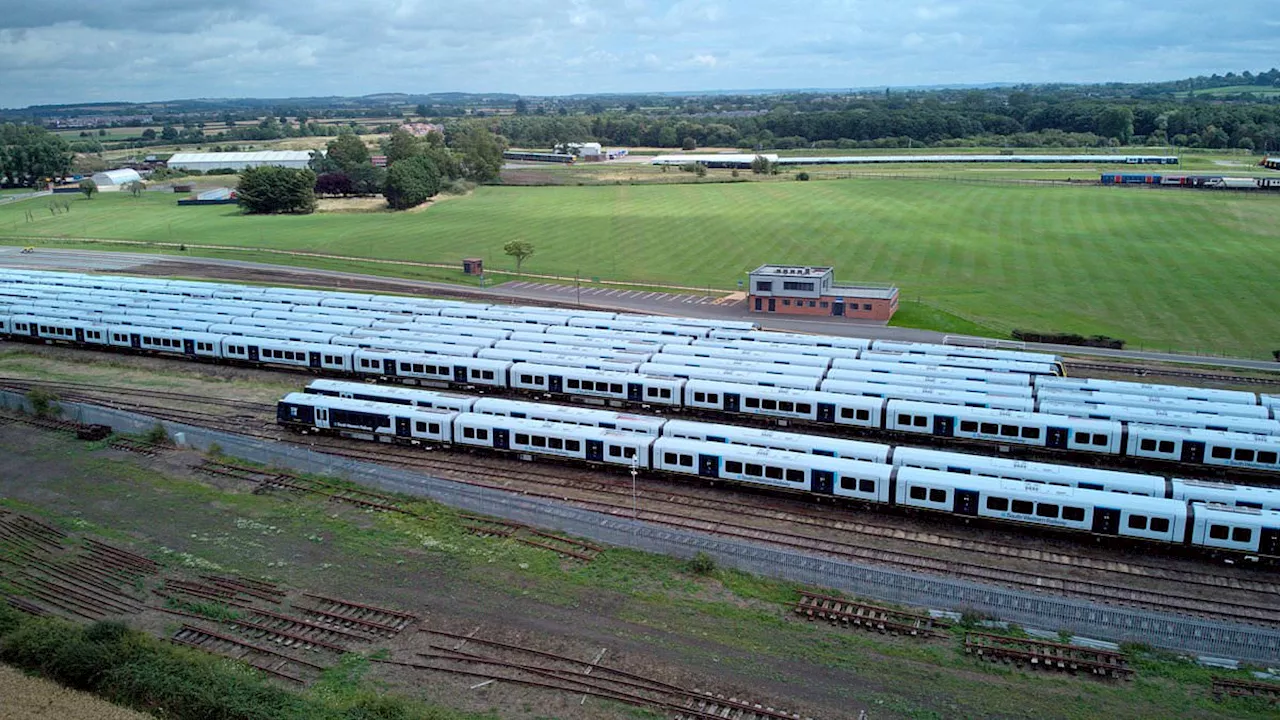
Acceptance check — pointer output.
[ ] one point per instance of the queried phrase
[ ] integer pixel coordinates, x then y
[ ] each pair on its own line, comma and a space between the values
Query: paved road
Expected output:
704, 306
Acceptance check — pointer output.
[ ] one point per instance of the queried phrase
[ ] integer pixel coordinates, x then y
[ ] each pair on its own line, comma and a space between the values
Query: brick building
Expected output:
803, 290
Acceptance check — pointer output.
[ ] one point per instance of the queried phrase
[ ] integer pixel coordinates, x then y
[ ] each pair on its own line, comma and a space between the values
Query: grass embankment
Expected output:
1161, 269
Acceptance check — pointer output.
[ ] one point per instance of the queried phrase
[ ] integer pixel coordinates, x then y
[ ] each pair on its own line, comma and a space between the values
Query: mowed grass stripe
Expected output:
1160, 268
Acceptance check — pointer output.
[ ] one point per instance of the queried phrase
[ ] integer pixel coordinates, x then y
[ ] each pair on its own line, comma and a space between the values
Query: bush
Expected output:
1098, 341
43, 402
459, 187
272, 190
702, 564
411, 182
157, 435
221, 171
802, 176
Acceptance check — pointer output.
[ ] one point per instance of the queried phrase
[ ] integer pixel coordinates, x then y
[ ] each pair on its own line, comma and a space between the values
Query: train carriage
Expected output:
558, 440
550, 358
821, 362
1204, 447
668, 328
1153, 416
1036, 472
1204, 491
908, 348
439, 369
419, 347
925, 381
776, 440
766, 379
738, 364
571, 415
286, 353
784, 405
1013, 366
430, 331
393, 394
635, 337
1236, 529
1005, 426
311, 412
1094, 385
597, 384
595, 352
781, 338
1153, 402
929, 395
642, 347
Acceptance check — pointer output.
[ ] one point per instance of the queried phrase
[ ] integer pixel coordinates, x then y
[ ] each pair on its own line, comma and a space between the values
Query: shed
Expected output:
116, 178
239, 160
473, 266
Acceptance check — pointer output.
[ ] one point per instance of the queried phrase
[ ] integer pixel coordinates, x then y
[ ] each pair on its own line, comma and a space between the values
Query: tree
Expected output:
348, 151
135, 188
269, 189
760, 165
333, 183
479, 153
522, 107
1116, 122
169, 133
689, 144
521, 250
411, 182
149, 134
400, 145
88, 187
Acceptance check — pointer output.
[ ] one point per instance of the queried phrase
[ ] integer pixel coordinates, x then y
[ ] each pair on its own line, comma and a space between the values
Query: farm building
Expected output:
803, 290
116, 178
240, 160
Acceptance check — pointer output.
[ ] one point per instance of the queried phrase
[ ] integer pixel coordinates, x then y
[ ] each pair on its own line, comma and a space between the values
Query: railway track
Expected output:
267, 659
1230, 687
1148, 371
557, 487
1048, 655
843, 611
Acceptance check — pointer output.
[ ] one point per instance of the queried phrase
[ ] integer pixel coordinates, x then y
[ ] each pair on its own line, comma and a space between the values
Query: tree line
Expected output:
29, 155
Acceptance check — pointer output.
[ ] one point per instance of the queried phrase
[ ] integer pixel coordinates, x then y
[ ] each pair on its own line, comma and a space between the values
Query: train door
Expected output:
501, 439
731, 402
388, 366
188, 346
1106, 521
135, 341
35, 330
965, 503
709, 465
772, 304
322, 417
824, 482
1192, 452
826, 412
1269, 544
459, 373
402, 427
1056, 438
595, 451
79, 335
555, 384
313, 359
944, 426
253, 353
635, 392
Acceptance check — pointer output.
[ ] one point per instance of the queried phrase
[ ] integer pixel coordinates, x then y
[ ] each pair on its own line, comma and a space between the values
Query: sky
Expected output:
138, 50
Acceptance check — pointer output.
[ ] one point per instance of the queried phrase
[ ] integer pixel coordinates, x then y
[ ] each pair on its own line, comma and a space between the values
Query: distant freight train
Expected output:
1215, 182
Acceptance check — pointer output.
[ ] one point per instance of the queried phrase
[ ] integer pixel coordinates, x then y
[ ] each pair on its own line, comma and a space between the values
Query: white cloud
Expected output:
156, 49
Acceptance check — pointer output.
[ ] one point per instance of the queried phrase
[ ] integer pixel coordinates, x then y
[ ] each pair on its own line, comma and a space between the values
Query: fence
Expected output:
1118, 624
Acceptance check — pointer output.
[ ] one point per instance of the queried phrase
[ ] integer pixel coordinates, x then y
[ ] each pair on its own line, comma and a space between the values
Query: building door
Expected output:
759, 304
837, 308
772, 304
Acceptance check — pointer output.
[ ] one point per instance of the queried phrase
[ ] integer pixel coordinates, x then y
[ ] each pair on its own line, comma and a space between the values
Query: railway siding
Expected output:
1201, 637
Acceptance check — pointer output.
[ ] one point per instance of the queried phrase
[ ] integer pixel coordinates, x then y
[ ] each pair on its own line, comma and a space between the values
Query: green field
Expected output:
1162, 269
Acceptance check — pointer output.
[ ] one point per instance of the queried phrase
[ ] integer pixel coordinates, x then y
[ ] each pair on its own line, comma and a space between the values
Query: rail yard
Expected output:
987, 465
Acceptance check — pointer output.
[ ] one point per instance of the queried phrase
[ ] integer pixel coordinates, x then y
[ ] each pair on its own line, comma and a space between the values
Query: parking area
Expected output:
596, 294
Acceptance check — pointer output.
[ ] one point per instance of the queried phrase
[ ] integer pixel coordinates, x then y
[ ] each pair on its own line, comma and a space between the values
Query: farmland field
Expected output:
1160, 268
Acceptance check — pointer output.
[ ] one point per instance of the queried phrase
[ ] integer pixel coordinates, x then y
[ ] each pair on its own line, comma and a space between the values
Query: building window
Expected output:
762, 286
794, 285
786, 303
811, 303
824, 304
866, 306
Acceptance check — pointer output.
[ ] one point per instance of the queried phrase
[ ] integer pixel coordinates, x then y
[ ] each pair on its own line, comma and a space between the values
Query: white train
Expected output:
1237, 530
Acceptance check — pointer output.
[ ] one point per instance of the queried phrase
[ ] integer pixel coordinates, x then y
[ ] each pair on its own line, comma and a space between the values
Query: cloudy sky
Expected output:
161, 49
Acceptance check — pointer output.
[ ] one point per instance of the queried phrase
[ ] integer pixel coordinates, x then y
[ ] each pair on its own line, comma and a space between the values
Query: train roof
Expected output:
980, 413
582, 432
371, 406
963, 351
742, 377
751, 453
731, 363
1168, 403
1047, 471
386, 390
1040, 492
567, 411
929, 394
1135, 388
848, 343
764, 435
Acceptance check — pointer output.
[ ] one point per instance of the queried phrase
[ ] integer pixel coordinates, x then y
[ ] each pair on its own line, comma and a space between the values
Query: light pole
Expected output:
635, 512
577, 284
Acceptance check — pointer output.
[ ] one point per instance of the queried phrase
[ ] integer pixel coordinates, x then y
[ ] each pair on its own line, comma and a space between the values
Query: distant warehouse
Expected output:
239, 160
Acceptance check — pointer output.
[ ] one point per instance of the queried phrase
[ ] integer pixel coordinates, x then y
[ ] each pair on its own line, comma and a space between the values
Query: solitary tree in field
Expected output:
135, 188
88, 187
521, 250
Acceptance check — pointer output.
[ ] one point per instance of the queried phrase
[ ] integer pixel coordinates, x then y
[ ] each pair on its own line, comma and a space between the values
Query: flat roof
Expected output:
875, 292
799, 270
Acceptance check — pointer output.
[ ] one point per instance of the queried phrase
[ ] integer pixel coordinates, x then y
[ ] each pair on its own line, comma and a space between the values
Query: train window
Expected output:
1100, 439
904, 419
699, 397
1266, 456
846, 413
968, 426
651, 392
921, 421
1047, 510
572, 445
421, 426
989, 428
1022, 507
555, 443
1244, 455
997, 504
918, 493
786, 406
866, 486
769, 404
1241, 535
469, 432
937, 495
1159, 524
1074, 514
526, 379
733, 466
753, 469
539, 441
848, 483
629, 453
1031, 433
669, 458
1082, 438
1166, 446
616, 388
794, 475
482, 434
1218, 532
753, 402
434, 428
1221, 453
573, 384
1147, 445
686, 460
713, 398
773, 473
1009, 430
1138, 522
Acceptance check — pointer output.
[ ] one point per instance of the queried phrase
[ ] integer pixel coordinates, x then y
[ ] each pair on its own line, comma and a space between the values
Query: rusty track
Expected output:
263, 658
872, 617
1147, 371
1230, 687
1048, 655
570, 547
345, 613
